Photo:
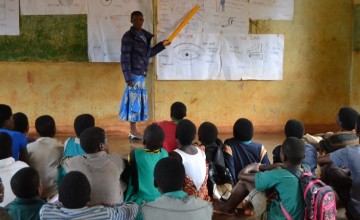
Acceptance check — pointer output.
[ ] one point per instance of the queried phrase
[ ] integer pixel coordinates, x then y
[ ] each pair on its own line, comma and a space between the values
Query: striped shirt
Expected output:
119, 211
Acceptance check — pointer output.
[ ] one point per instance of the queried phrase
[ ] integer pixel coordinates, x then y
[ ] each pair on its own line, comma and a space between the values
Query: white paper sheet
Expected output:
9, 17
53, 7
108, 20
231, 16
258, 57
191, 57
272, 9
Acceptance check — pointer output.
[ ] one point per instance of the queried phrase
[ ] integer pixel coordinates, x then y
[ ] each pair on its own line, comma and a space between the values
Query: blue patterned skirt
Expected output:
134, 104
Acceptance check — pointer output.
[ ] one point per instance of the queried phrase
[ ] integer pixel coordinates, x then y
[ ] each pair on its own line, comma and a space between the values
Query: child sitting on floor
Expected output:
27, 187
45, 155
141, 163
241, 150
21, 124
177, 113
193, 159
174, 203
287, 185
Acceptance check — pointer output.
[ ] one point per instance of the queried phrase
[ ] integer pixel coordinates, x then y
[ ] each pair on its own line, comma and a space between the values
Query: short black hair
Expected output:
82, 122
185, 132
169, 174
21, 122
45, 126
153, 137
207, 133
178, 110
5, 114
136, 13
25, 183
91, 138
243, 130
347, 117
5, 145
293, 149
294, 128
74, 190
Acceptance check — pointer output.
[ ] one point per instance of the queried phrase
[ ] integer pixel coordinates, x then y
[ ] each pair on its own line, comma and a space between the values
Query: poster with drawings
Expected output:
252, 57
191, 57
9, 17
215, 44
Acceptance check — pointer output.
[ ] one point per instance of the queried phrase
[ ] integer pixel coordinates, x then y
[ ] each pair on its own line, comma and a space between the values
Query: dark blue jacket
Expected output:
135, 53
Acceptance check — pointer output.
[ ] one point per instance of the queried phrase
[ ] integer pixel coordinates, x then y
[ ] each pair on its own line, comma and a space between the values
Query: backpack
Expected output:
319, 198
220, 180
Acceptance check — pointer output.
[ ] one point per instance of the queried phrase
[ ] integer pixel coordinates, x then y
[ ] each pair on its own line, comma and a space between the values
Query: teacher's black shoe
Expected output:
134, 137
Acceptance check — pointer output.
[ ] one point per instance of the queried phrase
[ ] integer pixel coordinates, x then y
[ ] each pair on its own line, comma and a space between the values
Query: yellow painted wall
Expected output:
316, 82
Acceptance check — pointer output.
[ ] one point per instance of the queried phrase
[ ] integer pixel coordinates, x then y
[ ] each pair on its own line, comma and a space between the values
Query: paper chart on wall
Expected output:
272, 9
190, 57
214, 16
9, 17
53, 7
108, 20
258, 57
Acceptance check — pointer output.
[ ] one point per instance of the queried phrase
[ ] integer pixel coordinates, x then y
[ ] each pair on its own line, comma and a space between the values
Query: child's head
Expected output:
26, 183
243, 130
358, 126
185, 132
294, 128
74, 190
5, 117
178, 111
207, 133
169, 175
153, 137
45, 126
5, 145
93, 140
82, 122
346, 118
21, 122
292, 151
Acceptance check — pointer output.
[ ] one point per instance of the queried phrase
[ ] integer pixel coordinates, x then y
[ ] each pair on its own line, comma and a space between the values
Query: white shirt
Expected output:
195, 166
8, 167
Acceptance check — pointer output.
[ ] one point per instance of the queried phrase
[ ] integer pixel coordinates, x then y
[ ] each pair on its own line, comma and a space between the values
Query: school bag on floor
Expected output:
319, 198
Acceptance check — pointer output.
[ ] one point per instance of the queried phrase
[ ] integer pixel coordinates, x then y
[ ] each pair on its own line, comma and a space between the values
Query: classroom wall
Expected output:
355, 74
316, 82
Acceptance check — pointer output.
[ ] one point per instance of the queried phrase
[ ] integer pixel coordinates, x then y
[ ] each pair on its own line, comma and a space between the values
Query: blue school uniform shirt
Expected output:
18, 141
239, 154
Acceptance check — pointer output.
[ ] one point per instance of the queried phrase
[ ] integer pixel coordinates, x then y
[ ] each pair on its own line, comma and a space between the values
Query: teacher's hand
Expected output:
166, 42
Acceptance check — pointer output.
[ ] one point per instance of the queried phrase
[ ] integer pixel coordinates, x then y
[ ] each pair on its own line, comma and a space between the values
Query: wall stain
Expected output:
30, 78
193, 100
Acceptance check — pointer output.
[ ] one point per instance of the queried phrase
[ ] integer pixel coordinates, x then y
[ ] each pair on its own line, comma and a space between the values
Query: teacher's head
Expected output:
137, 19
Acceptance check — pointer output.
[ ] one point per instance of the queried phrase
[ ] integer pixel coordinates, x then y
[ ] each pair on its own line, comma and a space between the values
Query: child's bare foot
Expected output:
220, 208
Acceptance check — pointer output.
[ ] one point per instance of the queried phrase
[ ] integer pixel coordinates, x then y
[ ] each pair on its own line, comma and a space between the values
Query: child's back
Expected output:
241, 150
142, 163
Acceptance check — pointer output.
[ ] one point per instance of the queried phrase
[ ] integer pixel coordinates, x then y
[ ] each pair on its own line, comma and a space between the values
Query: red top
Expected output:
169, 128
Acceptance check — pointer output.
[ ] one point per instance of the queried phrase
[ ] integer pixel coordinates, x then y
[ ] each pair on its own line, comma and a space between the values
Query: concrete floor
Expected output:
122, 145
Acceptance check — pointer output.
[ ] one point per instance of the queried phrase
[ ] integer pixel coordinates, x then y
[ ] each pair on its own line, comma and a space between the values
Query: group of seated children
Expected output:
172, 176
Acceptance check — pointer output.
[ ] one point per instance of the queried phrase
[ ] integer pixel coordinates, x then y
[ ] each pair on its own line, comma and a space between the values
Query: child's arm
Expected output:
248, 173
271, 166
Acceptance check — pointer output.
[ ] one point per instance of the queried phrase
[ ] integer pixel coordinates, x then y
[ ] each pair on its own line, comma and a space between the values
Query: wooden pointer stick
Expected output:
183, 23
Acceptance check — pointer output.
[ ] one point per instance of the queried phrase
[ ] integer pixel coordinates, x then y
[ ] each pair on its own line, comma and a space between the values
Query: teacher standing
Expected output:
135, 53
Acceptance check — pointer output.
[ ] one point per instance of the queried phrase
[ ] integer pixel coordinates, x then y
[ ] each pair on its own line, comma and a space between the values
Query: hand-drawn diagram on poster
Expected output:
108, 20
229, 16
258, 57
190, 56
272, 9
9, 17
53, 7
